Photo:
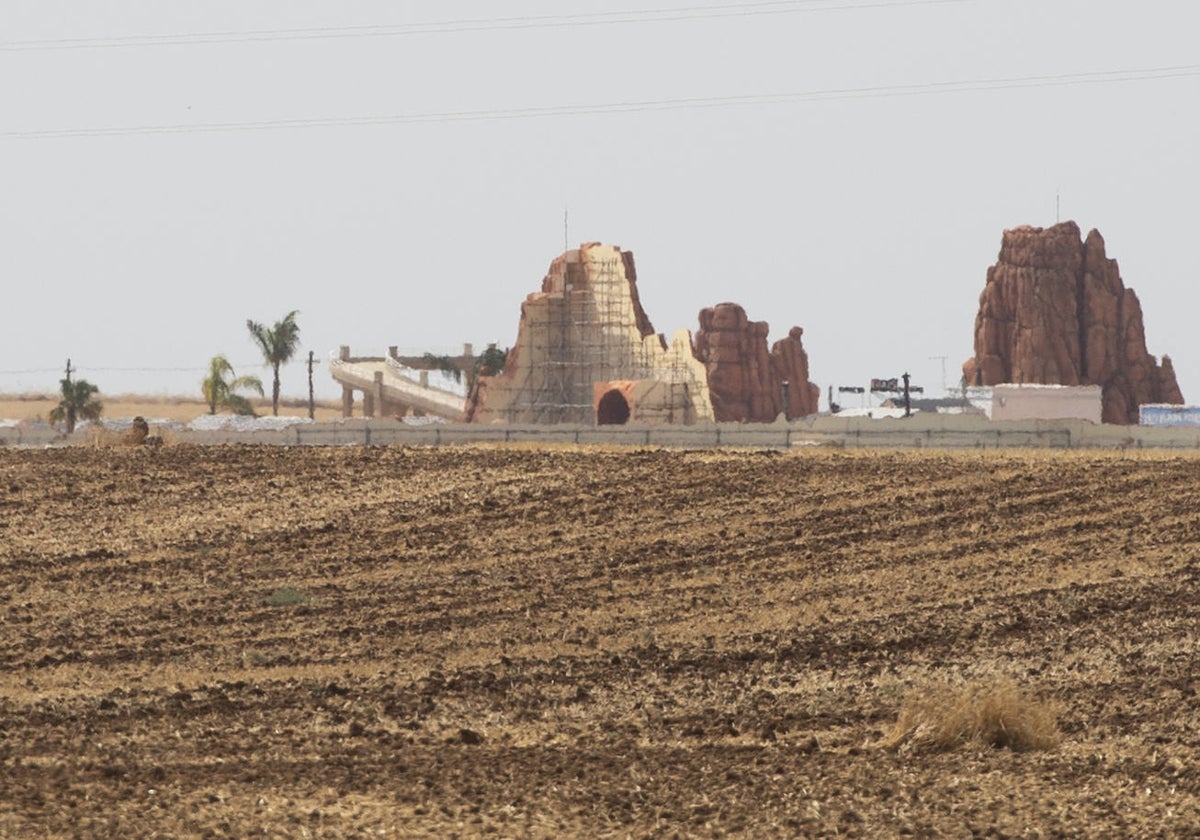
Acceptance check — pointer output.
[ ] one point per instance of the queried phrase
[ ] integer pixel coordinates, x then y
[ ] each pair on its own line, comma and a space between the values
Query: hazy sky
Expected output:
845, 166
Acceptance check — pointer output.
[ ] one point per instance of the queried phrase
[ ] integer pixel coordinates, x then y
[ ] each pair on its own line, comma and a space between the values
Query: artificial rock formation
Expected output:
745, 379
790, 362
1055, 311
587, 326
586, 352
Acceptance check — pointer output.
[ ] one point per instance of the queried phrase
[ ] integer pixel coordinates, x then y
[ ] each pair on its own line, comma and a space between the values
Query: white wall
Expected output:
1046, 402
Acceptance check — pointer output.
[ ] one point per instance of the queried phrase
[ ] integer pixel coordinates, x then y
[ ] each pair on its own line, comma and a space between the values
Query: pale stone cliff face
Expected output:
745, 379
1055, 311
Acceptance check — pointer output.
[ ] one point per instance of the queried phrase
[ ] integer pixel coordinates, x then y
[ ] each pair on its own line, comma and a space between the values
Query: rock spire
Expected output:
1055, 311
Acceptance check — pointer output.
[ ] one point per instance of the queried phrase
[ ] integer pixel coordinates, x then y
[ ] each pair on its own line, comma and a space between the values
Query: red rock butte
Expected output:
1055, 311
745, 381
586, 352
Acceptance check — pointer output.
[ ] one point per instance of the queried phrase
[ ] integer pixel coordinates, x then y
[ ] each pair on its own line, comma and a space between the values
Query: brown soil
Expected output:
181, 409
329, 642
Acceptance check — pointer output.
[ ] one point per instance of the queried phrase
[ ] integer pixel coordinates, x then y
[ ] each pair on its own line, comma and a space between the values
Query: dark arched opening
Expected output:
612, 410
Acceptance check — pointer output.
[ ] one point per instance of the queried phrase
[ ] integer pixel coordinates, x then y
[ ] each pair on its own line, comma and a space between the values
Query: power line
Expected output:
635, 16
690, 103
105, 369
101, 369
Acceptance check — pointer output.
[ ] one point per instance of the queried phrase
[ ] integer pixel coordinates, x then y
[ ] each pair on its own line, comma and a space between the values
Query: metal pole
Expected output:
310, 386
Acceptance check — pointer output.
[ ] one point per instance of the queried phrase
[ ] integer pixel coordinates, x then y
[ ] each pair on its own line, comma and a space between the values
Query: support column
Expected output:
347, 401
377, 395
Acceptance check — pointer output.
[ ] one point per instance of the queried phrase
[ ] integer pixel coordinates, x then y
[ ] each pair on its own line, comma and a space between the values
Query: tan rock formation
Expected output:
746, 380
587, 326
587, 352
1055, 311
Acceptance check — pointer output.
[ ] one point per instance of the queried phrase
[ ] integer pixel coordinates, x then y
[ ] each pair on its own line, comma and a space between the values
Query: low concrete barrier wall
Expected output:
16, 436
922, 431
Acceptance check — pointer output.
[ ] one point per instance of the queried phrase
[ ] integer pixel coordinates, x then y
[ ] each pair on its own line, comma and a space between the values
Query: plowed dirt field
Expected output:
278, 642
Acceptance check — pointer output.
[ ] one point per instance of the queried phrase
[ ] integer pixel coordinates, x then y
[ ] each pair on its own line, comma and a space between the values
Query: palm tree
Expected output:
445, 364
491, 362
77, 403
220, 392
278, 344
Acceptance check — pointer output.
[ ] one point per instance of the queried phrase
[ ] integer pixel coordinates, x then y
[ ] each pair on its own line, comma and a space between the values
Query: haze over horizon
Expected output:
399, 174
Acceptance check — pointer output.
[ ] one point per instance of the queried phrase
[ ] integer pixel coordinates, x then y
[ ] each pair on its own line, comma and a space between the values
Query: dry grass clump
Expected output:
989, 712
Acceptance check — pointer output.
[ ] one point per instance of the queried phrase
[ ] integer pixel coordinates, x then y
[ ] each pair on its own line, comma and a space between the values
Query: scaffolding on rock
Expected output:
584, 331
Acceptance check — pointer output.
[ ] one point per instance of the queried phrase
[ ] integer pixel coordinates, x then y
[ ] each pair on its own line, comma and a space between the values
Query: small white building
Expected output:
1158, 414
1046, 402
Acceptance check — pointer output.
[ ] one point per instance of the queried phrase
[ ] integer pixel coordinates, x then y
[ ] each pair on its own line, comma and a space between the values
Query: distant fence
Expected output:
918, 432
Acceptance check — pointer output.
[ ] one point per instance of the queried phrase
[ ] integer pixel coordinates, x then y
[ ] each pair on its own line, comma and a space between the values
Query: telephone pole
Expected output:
310, 386
70, 370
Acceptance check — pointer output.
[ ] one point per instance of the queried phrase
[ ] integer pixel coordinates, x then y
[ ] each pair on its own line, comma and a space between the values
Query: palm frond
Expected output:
247, 383
219, 391
239, 405
444, 364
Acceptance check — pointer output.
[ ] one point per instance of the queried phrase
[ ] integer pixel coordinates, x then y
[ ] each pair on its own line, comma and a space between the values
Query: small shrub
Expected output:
287, 596
992, 712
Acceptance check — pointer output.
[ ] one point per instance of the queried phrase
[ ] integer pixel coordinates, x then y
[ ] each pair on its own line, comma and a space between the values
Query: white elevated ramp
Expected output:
389, 388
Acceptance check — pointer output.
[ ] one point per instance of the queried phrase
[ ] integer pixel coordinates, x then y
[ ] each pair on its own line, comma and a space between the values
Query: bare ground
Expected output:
345, 642
33, 407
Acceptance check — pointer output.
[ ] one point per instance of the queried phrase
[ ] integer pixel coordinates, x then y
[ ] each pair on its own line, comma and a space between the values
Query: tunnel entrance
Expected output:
612, 409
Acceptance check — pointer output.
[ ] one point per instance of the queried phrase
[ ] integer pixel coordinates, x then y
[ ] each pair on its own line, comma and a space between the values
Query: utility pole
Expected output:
907, 401
70, 370
310, 386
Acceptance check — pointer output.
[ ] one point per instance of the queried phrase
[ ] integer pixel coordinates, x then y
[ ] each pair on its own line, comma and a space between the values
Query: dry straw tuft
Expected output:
992, 712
